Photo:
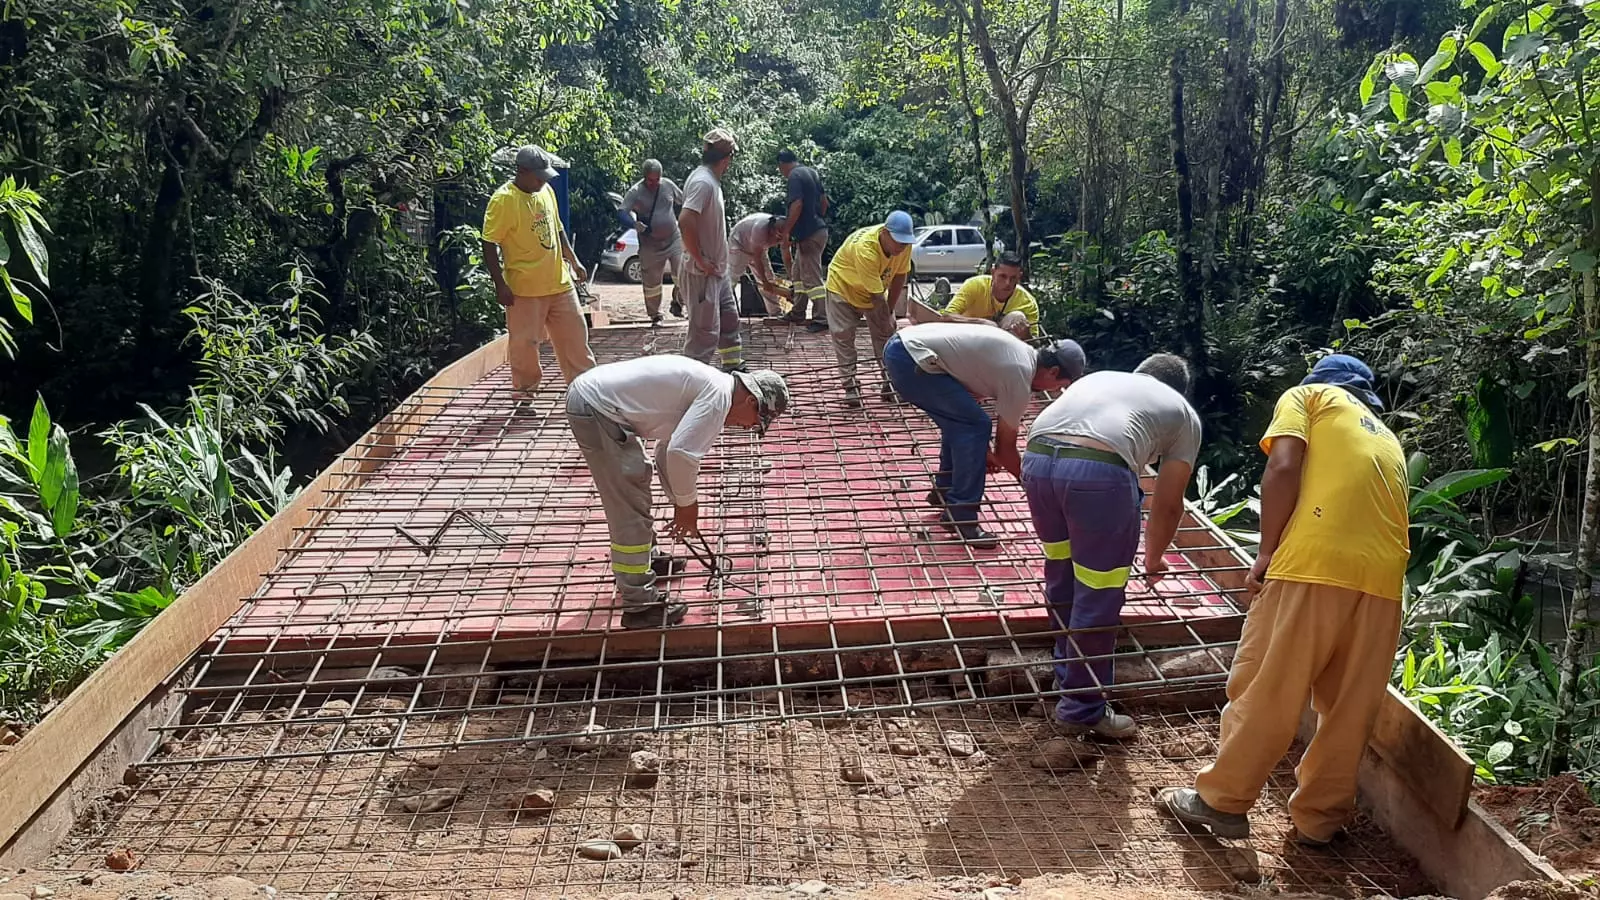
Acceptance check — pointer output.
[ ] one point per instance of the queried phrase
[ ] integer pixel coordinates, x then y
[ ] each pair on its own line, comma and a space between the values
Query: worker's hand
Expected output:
993, 462
685, 521
1256, 580
1155, 567
502, 292
580, 271
1009, 461
707, 266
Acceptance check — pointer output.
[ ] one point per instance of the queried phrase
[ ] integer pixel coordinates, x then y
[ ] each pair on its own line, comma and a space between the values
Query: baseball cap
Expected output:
1347, 372
536, 160
900, 228
1066, 355
770, 391
720, 136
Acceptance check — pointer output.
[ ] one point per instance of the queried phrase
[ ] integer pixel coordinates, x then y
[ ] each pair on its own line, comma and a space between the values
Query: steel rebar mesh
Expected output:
443, 633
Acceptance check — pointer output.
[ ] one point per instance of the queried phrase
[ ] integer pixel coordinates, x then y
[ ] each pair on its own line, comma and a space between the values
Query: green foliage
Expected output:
21, 221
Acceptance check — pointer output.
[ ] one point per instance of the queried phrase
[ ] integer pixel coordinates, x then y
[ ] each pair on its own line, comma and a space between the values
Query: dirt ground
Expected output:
943, 800
1555, 818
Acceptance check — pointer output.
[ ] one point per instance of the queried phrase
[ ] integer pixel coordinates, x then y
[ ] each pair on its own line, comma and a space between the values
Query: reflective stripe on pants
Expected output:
713, 318
622, 476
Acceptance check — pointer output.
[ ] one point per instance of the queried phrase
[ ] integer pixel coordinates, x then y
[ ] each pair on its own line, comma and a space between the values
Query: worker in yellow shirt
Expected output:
1325, 621
526, 252
997, 299
865, 281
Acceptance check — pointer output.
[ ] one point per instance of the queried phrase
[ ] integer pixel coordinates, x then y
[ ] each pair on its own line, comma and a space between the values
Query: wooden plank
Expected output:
1438, 772
49, 756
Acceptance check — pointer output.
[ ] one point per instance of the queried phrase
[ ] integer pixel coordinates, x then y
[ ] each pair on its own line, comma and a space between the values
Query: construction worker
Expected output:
997, 299
707, 284
944, 368
1081, 475
682, 405
1325, 620
651, 208
865, 281
806, 226
748, 245
527, 253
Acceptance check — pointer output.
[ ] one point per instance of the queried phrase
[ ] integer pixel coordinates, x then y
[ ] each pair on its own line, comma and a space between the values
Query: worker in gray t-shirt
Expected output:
706, 285
1081, 474
651, 207
942, 368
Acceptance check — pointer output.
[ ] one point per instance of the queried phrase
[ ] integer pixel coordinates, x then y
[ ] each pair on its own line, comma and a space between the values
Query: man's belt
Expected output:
1056, 449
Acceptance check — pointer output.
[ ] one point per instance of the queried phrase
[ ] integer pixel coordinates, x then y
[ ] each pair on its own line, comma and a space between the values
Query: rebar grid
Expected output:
736, 804
396, 649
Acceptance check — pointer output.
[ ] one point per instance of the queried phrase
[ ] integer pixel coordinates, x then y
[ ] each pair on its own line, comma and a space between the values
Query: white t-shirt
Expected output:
989, 362
678, 402
703, 194
1137, 416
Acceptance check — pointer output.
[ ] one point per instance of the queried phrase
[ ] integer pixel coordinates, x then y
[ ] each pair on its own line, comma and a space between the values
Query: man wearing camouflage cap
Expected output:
527, 254
707, 286
682, 405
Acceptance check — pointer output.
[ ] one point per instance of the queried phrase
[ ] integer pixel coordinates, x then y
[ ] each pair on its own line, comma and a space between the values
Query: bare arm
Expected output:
491, 261
968, 320
1280, 492
571, 257
1166, 509
822, 208
1005, 448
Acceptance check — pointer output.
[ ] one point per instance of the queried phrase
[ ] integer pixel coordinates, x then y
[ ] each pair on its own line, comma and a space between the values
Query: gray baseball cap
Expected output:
536, 160
771, 393
1066, 355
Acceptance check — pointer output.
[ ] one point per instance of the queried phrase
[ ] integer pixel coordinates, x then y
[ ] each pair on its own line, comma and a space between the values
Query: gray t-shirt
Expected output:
663, 201
703, 194
987, 361
1137, 416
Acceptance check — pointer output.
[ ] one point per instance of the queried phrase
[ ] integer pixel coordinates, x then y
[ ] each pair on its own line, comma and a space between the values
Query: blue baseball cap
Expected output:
1347, 372
900, 227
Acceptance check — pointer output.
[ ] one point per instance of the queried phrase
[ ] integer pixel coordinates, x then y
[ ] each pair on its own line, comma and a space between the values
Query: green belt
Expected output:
1056, 450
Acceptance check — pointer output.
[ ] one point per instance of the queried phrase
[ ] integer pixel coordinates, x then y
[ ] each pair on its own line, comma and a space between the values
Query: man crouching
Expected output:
682, 405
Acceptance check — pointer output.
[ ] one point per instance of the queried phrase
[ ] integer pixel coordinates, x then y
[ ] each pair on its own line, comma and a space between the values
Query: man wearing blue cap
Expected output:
1325, 621
865, 280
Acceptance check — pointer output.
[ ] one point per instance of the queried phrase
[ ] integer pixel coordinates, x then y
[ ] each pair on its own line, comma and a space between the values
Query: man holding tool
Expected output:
707, 286
865, 281
1325, 620
943, 368
682, 405
748, 245
651, 208
1081, 474
527, 253
806, 226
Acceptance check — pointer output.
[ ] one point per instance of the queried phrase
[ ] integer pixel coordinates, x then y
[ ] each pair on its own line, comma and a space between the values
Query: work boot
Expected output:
655, 320
817, 326
665, 564
975, 537
1306, 840
1186, 806
935, 498
676, 306
1112, 725
794, 317
658, 615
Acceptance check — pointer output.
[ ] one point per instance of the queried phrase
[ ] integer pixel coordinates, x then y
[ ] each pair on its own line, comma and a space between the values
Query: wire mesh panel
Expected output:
430, 690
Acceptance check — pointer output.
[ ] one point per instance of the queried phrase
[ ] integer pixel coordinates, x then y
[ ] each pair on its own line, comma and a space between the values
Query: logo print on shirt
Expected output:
1369, 425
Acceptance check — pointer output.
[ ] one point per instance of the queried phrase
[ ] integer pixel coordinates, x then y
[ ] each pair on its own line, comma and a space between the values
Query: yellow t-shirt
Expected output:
528, 227
860, 269
1348, 528
976, 299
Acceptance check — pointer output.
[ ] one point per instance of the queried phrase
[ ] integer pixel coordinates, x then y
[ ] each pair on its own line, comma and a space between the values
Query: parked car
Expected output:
950, 250
621, 256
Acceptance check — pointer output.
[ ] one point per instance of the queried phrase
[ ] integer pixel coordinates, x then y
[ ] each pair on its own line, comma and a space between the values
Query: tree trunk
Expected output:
978, 169
1276, 76
1188, 283
158, 254
1581, 618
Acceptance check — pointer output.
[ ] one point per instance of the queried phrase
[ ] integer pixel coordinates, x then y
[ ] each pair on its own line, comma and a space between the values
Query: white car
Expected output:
622, 256
949, 250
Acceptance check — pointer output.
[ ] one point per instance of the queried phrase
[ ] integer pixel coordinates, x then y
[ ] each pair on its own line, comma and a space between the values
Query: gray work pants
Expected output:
622, 476
713, 318
843, 320
809, 276
654, 262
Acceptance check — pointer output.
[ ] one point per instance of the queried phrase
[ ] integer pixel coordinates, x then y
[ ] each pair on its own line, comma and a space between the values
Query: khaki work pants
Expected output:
842, 322
622, 477
1331, 644
530, 320
809, 276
